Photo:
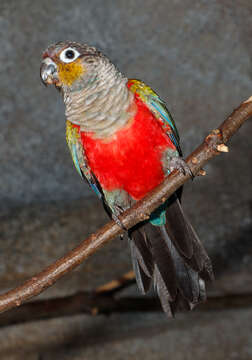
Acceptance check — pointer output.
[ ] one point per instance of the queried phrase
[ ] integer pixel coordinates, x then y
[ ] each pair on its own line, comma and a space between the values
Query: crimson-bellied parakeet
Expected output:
124, 142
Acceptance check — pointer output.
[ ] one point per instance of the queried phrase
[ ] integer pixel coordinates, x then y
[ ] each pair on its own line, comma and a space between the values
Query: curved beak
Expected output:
48, 72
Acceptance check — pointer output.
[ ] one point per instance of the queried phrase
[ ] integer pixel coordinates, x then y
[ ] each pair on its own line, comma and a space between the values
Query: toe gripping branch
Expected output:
179, 164
119, 222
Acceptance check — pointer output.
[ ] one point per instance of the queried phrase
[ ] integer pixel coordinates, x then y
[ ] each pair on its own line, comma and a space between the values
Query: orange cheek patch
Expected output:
69, 73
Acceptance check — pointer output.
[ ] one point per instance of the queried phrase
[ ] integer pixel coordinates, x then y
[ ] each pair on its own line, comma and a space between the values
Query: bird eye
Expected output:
68, 55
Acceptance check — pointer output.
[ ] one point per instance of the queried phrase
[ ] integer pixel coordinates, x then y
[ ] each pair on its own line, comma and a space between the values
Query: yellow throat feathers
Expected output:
69, 73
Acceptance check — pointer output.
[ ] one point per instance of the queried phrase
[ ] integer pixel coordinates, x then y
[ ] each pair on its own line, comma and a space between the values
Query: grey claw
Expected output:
179, 164
119, 223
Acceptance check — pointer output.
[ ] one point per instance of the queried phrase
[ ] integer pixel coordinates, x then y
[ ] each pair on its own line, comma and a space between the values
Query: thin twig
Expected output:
117, 285
140, 211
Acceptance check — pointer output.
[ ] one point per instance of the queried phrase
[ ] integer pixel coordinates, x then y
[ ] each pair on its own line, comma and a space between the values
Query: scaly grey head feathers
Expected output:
95, 92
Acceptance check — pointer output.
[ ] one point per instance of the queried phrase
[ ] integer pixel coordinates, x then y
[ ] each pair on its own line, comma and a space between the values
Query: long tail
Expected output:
173, 257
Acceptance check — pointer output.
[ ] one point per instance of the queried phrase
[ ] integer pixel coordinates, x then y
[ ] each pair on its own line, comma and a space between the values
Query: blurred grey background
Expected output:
197, 56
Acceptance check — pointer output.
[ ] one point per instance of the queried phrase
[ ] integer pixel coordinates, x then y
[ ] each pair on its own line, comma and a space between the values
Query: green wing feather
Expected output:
78, 156
157, 107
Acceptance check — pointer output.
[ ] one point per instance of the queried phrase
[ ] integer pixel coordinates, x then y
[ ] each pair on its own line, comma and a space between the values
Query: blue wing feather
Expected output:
73, 151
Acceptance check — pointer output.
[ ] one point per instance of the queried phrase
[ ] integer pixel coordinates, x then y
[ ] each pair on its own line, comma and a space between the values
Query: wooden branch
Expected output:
139, 212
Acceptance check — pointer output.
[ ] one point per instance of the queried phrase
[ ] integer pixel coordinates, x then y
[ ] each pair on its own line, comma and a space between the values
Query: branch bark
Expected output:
212, 145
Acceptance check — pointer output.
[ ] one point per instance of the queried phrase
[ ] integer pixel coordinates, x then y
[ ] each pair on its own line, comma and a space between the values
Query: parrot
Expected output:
124, 143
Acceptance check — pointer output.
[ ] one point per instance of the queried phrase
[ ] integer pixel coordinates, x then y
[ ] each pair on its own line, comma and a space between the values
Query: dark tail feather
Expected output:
143, 277
174, 258
187, 241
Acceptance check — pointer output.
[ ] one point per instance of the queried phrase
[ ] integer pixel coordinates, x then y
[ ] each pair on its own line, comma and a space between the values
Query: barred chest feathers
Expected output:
102, 105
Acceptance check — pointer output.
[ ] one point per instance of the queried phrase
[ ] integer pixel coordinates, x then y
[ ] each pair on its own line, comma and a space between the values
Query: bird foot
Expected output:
119, 223
177, 163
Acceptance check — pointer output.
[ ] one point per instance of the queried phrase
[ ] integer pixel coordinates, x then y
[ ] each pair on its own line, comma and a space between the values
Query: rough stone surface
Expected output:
33, 237
197, 55
194, 54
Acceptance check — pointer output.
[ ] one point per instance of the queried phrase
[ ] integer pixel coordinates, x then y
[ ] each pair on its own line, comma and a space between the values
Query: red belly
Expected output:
131, 160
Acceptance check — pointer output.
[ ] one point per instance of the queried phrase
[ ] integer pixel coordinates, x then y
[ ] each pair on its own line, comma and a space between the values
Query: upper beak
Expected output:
48, 72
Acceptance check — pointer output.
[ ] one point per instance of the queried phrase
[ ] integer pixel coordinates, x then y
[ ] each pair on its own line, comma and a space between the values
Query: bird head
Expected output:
69, 64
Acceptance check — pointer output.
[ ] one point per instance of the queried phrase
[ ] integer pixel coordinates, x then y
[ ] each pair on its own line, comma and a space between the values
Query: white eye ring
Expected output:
69, 54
